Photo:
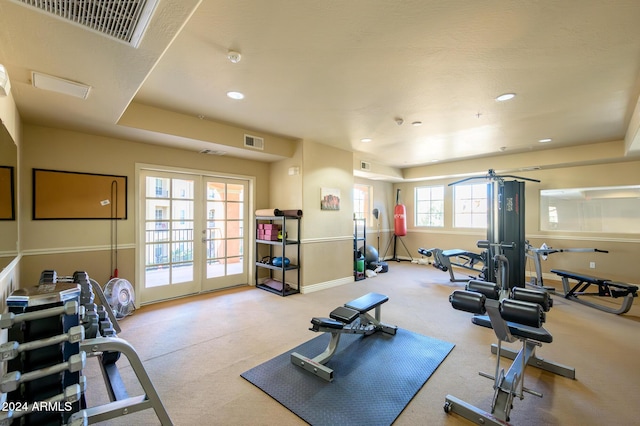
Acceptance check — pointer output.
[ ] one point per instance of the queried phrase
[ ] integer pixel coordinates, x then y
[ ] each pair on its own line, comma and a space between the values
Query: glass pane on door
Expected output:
225, 231
169, 231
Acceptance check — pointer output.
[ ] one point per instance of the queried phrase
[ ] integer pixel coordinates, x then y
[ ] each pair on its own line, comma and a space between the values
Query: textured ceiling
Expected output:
335, 72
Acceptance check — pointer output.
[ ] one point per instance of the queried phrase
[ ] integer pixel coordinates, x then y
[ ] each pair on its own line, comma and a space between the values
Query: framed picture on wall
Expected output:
329, 199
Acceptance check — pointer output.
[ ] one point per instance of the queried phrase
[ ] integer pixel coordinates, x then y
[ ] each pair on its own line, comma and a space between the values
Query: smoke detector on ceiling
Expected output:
234, 56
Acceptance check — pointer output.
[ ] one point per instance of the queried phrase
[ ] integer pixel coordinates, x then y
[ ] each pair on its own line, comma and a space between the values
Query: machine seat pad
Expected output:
326, 322
345, 315
519, 330
367, 302
460, 252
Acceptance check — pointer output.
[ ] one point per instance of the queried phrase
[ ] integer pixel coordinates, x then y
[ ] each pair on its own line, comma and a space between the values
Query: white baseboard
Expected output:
327, 284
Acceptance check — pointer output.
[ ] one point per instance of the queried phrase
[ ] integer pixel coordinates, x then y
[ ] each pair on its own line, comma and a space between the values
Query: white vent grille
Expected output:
365, 166
124, 20
212, 152
253, 142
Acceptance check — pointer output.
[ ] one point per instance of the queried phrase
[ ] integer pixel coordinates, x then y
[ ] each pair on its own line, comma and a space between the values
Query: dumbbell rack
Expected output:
43, 383
45, 357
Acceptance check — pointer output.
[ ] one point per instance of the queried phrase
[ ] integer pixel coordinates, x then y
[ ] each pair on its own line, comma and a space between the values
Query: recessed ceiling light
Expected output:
505, 97
366, 140
235, 95
417, 123
545, 140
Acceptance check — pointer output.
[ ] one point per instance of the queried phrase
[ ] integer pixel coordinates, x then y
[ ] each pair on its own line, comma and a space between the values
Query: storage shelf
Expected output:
277, 242
358, 236
290, 267
279, 248
286, 291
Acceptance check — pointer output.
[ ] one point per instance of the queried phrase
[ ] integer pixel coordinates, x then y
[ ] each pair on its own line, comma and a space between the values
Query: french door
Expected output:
192, 234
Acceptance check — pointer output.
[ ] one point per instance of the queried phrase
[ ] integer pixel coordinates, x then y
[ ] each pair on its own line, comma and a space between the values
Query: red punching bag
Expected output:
400, 218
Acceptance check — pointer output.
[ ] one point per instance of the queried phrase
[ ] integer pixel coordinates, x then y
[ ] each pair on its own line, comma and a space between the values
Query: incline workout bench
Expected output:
353, 318
606, 288
519, 317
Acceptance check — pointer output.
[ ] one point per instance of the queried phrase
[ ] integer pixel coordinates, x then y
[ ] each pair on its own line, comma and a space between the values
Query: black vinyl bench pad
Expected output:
519, 330
367, 302
602, 283
344, 315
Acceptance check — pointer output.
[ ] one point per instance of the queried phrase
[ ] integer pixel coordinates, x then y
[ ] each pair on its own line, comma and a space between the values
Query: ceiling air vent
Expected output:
365, 166
253, 142
212, 152
125, 20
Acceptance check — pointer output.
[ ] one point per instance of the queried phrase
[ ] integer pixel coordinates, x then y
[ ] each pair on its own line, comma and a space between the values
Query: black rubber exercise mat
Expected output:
375, 377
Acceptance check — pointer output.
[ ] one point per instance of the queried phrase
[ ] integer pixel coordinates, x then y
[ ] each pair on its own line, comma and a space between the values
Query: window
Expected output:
470, 206
362, 202
429, 202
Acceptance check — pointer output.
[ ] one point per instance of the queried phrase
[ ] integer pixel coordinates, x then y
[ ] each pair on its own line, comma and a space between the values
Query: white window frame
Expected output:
362, 205
470, 203
428, 207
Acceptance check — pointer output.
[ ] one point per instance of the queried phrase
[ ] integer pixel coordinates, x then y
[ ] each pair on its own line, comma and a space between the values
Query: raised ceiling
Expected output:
335, 72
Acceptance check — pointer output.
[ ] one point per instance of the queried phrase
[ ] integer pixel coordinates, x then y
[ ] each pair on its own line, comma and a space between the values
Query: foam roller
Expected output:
491, 290
468, 301
542, 298
525, 313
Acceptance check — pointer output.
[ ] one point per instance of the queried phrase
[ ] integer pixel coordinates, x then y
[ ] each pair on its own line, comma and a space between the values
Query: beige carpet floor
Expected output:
195, 349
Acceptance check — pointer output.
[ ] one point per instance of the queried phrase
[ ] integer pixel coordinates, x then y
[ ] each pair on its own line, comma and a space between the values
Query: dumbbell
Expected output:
48, 277
10, 381
71, 394
10, 350
9, 319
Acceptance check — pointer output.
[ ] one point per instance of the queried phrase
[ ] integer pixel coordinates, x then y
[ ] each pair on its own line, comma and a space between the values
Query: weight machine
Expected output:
514, 314
505, 224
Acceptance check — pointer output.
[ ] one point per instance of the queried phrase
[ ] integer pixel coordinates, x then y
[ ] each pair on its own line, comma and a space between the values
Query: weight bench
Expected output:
353, 317
442, 259
606, 288
519, 317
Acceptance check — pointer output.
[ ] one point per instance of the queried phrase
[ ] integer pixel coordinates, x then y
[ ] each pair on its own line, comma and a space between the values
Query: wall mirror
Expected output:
611, 209
8, 198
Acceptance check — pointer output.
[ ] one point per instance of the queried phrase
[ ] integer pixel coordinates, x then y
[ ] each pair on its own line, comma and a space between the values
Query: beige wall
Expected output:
69, 245
619, 264
327, 236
